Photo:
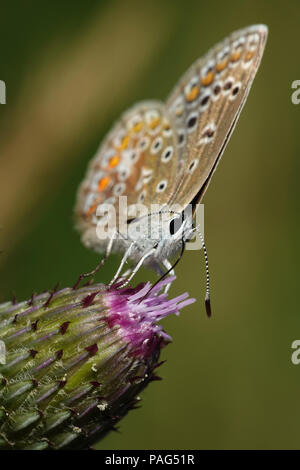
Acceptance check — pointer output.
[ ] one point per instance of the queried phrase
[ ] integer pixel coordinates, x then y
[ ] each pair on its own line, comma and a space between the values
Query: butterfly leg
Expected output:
126, 274
124, 259
170, 269
99, 265
170, 272
137, 267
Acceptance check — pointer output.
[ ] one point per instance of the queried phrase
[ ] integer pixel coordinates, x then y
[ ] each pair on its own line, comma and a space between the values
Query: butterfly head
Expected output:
164, 231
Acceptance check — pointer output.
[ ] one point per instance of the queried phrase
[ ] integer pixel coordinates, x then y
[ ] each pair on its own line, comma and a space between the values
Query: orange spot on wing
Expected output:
92, 208
192, 95
221, 65
235, 56
114, 161
124, 144
154, 123
103, 183
137, 127
207, 79
249, 56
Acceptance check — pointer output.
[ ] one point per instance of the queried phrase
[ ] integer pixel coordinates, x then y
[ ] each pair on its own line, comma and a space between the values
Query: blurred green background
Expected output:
70, 69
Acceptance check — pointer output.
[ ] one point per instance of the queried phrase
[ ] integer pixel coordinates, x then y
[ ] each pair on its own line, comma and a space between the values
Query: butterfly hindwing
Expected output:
138, 159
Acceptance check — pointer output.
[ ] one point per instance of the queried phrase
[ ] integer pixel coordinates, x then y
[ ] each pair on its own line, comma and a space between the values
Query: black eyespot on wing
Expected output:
192, 121
191, 166
204, 100
217, 90
209, 133
181, 138
228, 85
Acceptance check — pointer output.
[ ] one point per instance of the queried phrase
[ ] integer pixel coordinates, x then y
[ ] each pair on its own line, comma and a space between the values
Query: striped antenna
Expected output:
207, 294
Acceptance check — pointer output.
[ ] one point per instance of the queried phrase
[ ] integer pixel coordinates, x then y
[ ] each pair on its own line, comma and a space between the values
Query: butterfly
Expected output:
165, 154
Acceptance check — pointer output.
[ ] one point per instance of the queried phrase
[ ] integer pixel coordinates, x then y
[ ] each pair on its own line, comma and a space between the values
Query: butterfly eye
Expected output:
175, 224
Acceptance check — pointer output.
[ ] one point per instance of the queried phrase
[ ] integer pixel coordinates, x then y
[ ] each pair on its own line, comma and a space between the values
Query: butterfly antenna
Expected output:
207, 294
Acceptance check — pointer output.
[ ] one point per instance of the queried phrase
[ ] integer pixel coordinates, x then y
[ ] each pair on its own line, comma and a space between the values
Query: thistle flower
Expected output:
74, 361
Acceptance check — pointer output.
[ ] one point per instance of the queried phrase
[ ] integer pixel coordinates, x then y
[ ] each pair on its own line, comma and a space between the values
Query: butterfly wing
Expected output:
137, 159
206, 104
166, 154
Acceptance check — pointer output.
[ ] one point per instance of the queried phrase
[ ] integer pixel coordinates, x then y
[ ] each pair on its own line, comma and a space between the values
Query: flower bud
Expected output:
73, 362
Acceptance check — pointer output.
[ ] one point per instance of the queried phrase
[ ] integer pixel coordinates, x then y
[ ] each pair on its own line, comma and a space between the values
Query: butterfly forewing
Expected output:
205, 105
